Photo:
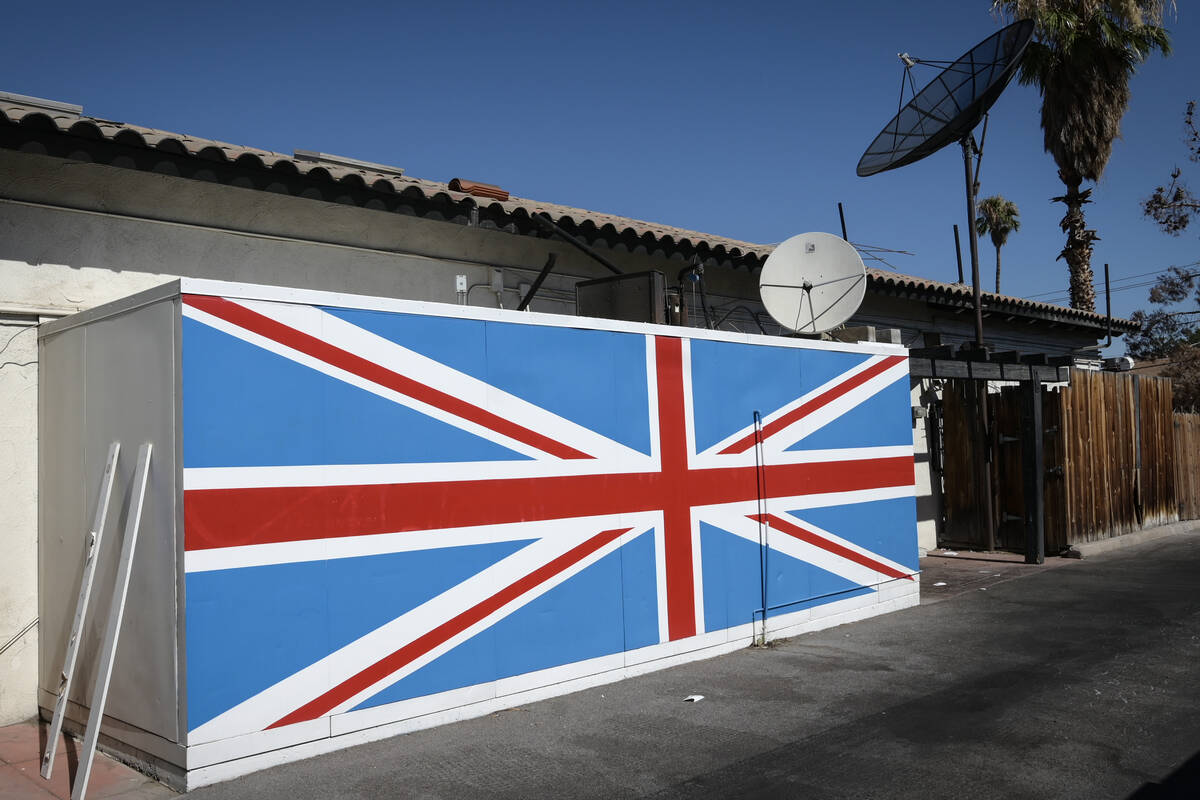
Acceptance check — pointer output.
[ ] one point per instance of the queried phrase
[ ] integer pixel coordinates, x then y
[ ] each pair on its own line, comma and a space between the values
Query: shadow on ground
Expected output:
1182, 784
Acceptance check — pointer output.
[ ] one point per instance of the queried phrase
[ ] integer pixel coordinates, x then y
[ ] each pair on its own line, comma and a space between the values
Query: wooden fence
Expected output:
1187, 465
1118, 457
1117, 460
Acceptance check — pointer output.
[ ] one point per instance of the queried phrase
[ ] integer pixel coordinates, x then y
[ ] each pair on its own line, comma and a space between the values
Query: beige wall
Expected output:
18, 514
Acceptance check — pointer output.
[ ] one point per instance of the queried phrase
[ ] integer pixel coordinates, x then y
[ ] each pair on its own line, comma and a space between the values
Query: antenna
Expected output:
812, 282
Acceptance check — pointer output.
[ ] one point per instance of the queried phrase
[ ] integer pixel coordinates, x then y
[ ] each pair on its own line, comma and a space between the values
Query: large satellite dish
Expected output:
952, 104
812, 282
948, 109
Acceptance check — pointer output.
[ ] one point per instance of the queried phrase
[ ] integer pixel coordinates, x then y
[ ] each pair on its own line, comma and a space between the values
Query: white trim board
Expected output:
252, 291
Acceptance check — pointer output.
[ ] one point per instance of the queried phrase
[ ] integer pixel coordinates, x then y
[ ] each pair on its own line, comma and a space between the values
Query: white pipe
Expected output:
37, 311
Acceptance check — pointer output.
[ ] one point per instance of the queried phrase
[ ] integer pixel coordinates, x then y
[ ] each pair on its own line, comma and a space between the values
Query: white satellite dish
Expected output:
813, 282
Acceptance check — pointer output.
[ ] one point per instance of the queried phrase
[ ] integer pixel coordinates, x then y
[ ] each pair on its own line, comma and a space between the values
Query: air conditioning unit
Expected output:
636, 297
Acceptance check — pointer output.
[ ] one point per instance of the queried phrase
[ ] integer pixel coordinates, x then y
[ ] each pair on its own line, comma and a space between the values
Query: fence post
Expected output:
1139, 504
1034, 470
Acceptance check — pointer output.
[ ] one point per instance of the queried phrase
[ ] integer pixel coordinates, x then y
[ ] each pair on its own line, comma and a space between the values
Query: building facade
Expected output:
92, 210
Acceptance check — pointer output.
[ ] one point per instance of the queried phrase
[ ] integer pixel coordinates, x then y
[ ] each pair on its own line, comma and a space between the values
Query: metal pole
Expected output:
537, 282
958, 254
842, 217
968, 147
1107, 307
763, 543
554, 228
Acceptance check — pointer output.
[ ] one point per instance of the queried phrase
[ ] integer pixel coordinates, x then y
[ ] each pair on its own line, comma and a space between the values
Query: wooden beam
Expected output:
920, 367
1045, 374
972, 353
1016, 372
982, 370
940, 351
951, 369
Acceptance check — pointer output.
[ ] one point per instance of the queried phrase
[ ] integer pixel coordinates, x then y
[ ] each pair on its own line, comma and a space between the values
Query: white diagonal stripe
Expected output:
788, 436
391, 356
280, 699
397, 358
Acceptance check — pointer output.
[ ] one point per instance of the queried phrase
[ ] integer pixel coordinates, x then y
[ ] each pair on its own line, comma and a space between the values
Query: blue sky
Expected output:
743, 120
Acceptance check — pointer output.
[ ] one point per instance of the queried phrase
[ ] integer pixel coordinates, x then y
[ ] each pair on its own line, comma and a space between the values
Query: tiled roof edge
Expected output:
659, 236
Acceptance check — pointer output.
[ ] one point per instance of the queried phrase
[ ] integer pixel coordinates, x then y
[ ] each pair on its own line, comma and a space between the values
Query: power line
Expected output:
1119, 282
1048, 297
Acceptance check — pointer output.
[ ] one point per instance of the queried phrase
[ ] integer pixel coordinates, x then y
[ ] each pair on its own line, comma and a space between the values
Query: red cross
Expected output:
232, 517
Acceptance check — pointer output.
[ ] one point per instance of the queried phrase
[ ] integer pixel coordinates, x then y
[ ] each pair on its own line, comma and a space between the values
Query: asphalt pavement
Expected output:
1079, 679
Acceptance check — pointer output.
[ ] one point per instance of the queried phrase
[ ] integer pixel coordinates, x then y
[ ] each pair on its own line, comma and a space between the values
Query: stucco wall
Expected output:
18, 516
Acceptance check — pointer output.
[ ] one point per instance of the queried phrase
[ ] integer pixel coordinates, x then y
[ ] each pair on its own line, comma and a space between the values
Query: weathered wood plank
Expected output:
1186, 436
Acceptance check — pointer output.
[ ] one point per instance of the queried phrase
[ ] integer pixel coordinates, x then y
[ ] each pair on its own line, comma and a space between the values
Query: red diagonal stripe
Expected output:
783, 526
823, 399
342, 359
234, 517
442, 633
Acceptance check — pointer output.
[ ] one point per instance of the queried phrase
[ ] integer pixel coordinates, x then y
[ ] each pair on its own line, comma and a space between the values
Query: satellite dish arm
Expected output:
979, 153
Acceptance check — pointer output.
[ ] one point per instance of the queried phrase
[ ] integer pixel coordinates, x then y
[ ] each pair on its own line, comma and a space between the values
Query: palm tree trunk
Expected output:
997, 269
1078, 250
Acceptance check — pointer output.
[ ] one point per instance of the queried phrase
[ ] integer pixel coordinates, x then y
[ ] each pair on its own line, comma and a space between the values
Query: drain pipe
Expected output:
1107, 314
764, 574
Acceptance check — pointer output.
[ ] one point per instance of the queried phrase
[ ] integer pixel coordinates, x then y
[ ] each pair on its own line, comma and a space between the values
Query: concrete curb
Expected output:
1086, 549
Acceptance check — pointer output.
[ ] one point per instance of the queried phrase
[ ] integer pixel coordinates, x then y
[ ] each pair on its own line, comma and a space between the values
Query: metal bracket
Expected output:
81, 605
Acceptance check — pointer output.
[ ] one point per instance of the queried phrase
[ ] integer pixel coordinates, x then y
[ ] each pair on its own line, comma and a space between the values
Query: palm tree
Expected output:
997, 217
1082, 58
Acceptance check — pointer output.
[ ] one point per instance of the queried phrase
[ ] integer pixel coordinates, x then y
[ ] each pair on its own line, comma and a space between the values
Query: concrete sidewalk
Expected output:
1073, 679
21, 748
1079, 679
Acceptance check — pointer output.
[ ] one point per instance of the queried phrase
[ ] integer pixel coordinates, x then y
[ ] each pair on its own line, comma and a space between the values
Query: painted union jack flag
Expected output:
390, 513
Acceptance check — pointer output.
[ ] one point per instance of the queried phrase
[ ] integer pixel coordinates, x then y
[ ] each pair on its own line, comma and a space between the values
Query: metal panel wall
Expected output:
111, 379
389, 514
391, 511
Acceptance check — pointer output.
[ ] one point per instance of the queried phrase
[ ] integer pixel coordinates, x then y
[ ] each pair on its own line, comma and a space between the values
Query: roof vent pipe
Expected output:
344, 161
